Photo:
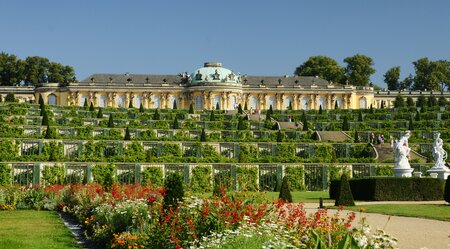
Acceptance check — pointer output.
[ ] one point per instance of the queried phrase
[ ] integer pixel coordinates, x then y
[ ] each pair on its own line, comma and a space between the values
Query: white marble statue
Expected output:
439, 154
401, 153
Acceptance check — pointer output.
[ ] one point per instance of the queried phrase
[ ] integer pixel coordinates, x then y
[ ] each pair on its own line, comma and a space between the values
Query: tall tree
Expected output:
399, 101
11, 70
407, 82
322, 66
391, 78
431, 75
359, 69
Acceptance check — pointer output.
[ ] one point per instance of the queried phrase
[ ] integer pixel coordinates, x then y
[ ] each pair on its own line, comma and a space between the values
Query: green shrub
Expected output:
385, 171
53, 151
111, 121
5, 174
295, 177
173, 184
153, 176
201, 179
127, 134
285, 192
344, 195
53, 174
10, 97
104, 175
9, 150
222, 182
394, 189
203, 136
447, 190
246, 178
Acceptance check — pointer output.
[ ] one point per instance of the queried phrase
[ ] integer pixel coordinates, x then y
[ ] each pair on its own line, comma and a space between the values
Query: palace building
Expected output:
206, 88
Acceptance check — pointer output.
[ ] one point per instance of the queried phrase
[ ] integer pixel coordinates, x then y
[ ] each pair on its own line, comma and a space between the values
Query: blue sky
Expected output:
250, 37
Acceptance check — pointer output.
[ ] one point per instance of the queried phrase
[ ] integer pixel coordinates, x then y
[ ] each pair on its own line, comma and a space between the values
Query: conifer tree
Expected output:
417, 115
127, 134
203, 136
10, 97
156, 115
211, 116
241, 125
279, 136
42, 108
382, 104
285, 192
111, 121
174, 106
345, 124
320, 109
371, 109
217, 106
344, 195
290, 106
305, 122
91, 108
410, 124
360, 117
240, 109
100, 113
173, 185
447, 190
175, 123
141, 108
268, 116
44, 118
270, 110
245, 106
191, 109
41, 100
130, 104
85, 105
336, 106
356, 136
48, 133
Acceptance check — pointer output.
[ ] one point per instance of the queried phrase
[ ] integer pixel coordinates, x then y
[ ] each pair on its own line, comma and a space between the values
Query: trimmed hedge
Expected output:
393, 189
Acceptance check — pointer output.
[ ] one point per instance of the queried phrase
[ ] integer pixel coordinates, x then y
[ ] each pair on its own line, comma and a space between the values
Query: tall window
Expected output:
102, 101
287, 102
362, 103
51, 99
137, 101
254, 102
304, 103
82, 99
339, 102
199, 102
232, 103
156, 102
216, 100
271, 102
322, 102
120, 101
172, 99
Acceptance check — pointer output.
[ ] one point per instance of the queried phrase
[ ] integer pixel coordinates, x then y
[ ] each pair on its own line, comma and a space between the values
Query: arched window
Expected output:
51, 99
322, 102
271, 102
156, 102
137, 101
338, 102
232, 103
82, 99
216, 101
362, 103
287, 102
304, 103
254, 102
199, 102
120, 101
102, 101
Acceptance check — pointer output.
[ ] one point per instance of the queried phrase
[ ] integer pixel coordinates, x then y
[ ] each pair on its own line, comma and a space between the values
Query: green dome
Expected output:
214, 72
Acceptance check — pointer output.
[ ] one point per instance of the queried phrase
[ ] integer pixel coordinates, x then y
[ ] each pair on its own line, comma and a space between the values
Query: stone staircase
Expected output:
333, 136
385, 152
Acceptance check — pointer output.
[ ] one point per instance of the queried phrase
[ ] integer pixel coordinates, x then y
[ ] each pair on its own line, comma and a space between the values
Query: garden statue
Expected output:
401, 153
439, 155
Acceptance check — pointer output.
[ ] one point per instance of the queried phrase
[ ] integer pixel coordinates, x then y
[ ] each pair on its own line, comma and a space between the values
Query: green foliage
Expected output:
53, 174
385, 171
141, 108
44, 118
446, 190
305, 122
410, 102
421, 101
85, 105
174, 106
134, 152
111, 120
432, 101
171, 150
91, 107
9, 150
345, 124
246, 178
173, 184
320, 109
241, 124
442, 101
127, 134
201, 179
325, 152
392, 78
410, 123
5, 174
10, 97
360, 117
191, 109
49, 133
153, 176
217, 106
430, 74
285, 192
279, 136
175, 124
104, 175
359, 69
100, 113
53, 151
212, 116
240, 109
322, 66
203, 136
344, 195
130, 104
399, 101
295, 177
156, 115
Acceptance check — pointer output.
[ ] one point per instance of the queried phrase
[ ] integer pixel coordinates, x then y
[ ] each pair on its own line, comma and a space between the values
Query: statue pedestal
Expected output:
442, 173
403, 172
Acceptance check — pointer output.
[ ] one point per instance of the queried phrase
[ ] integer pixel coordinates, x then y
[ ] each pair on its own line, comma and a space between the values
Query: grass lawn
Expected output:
427, 211
310, 197
34, 229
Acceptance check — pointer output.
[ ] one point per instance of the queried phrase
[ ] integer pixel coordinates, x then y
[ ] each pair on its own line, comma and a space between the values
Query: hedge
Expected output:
393, 189
201, 179
295, 177
153, 176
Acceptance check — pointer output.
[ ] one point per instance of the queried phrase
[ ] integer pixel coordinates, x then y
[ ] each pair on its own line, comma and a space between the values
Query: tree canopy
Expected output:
322, 66
359, 69
32, 71
391, 78
431, 75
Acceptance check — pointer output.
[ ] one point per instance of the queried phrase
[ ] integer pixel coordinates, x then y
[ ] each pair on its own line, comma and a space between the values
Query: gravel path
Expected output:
412, 233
